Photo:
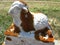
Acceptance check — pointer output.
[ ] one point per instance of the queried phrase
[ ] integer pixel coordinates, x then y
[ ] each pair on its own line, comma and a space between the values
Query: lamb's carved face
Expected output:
17, 7
15, 11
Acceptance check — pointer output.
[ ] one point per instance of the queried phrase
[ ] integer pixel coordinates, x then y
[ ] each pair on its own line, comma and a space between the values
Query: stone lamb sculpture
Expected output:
27, 28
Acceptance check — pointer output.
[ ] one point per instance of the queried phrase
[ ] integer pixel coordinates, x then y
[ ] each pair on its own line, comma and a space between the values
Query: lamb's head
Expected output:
17, 7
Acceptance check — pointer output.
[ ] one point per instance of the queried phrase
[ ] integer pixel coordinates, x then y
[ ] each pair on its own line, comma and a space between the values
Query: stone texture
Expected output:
24, 41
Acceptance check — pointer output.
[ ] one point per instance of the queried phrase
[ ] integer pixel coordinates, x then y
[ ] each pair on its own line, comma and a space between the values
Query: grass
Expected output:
51, 0
52, 10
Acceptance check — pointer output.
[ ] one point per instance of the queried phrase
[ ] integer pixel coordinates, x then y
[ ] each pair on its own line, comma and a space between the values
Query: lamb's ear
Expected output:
25, 8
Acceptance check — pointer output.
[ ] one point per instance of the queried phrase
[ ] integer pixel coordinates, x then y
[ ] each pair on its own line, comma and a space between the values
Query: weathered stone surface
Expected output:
24, 41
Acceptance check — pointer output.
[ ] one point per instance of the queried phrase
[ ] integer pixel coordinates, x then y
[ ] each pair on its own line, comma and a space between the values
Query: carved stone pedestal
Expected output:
23, 41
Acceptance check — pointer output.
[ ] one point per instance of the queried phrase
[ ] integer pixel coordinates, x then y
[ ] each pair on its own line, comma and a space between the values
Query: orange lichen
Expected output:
49, 39
13, 30
46, 40
8, 33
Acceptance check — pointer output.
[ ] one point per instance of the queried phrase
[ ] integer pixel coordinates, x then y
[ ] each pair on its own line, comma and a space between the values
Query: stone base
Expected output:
24, 41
